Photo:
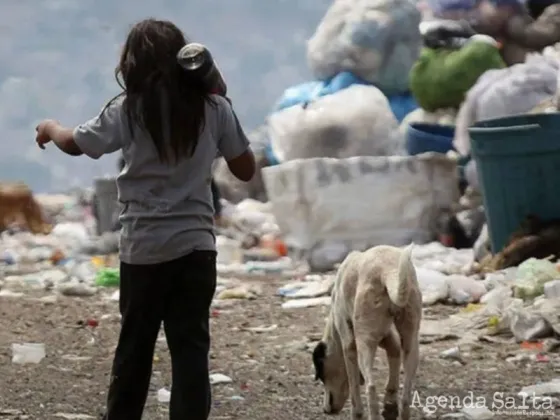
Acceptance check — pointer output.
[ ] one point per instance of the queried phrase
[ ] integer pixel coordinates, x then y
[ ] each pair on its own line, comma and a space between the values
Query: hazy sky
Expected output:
57, 59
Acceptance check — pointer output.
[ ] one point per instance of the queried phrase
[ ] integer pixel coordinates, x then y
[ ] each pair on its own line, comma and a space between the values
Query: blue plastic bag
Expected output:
299, 94
402, 105
341, 81
306, 92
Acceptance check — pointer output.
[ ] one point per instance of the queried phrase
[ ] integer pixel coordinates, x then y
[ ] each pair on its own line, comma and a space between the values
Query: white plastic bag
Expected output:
363, 201
464, 289
377, 40
356, 121
433, 285
506, 92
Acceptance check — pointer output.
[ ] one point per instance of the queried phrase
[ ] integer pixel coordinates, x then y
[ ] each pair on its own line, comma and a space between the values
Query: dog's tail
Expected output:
398, 291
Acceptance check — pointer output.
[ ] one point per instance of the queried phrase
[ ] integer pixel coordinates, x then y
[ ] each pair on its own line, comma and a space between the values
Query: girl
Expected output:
169, 129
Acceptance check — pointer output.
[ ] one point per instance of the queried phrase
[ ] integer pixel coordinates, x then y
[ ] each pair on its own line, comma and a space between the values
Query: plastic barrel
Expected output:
423, 137
518, 165
106, 200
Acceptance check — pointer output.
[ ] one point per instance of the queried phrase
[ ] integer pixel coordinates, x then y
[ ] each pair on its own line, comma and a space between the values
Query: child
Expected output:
169, 130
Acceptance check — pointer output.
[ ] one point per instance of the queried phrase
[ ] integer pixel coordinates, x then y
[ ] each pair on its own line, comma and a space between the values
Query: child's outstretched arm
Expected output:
62, 137
99, 136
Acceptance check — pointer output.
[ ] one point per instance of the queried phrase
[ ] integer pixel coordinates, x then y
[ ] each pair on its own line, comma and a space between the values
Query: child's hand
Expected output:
43, 132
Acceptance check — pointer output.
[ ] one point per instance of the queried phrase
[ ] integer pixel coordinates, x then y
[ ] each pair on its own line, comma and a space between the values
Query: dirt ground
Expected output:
272, 371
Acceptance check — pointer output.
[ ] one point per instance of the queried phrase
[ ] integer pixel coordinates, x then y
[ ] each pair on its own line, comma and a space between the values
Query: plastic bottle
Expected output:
196, 59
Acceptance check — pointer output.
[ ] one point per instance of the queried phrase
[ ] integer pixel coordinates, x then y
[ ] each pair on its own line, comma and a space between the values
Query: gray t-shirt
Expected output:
166, 209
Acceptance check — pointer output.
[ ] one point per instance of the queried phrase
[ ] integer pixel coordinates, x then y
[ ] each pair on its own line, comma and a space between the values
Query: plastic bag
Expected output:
356, 121
442, 77
31, 353
377, 40
433, 285
402, 105
532, 276
361, 201
298, 94
505, 92
107, 277
309, 91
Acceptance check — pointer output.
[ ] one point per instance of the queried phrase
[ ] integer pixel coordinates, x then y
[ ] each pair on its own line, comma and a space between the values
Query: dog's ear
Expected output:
362, 380
319, 354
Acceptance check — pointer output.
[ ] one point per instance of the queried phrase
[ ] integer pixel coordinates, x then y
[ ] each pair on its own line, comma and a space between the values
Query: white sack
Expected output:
356, 121
363, 201
377, 40
506, 92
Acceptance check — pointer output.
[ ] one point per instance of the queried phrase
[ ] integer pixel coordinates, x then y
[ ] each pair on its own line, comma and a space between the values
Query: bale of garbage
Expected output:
377, 40
327, 207
356, 121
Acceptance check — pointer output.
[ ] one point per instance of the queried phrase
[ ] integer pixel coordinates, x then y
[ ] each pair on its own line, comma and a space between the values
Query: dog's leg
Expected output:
353, 372
366, 358
411, 358
392, 346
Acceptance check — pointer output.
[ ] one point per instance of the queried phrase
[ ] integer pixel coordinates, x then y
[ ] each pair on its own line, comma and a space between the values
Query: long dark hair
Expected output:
159, 96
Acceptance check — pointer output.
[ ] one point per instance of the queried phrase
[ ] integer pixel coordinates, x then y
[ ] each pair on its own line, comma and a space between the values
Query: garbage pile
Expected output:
520, 303
396, 79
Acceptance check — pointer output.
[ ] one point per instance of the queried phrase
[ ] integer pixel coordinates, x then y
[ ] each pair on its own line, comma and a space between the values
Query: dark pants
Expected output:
177, 293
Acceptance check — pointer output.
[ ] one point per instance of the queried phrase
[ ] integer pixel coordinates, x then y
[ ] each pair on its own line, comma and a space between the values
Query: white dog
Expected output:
376, 301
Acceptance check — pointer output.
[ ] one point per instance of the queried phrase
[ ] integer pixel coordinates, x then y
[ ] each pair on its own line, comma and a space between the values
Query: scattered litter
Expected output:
309, 289
163, 396
239, 292
452, 354
262, 329
218, 378
107, 277
544, 388
433, 284
25, 353
307, 303
532, 275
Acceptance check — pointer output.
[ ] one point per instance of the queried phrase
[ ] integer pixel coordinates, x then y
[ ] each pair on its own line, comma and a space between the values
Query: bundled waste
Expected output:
377, 40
